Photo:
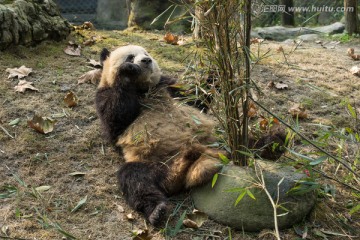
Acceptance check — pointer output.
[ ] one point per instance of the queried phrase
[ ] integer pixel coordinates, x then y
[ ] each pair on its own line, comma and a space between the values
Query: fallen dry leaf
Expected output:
92, 76
95, 63
271, 84
263, 123
355, 70
281, 86
130, 216
42, 125
120, 208
280, 49
20, 72
70, 99
73, 50
351, 53
252, 112
23, 85
90, 41
195, 219
256, 40
171, 38
142, 234
298, 111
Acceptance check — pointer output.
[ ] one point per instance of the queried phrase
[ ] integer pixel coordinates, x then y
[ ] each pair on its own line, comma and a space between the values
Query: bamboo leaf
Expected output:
241, 196
352, 111
250, 194
215, 178
355, 209
224, 159
80, 204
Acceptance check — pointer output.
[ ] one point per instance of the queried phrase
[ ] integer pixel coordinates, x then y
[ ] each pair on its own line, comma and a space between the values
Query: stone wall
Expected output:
28, 22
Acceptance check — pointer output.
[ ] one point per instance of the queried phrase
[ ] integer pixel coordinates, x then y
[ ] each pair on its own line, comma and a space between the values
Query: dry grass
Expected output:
319, 80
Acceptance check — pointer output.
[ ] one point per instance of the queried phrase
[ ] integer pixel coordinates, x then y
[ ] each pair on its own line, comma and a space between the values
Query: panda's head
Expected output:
150, 72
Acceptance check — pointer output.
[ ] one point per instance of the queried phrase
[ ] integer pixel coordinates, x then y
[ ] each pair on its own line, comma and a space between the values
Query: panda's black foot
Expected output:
159, 215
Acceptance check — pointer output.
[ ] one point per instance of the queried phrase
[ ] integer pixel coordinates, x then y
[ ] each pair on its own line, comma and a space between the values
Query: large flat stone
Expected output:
280, 33
254, 215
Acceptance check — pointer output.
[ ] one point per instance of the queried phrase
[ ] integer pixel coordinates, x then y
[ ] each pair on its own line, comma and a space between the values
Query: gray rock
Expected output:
309, 37
27, 22
337, 27
280, 33
253, 215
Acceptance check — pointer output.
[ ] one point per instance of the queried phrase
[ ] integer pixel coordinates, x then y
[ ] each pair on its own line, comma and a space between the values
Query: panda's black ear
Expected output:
104, 55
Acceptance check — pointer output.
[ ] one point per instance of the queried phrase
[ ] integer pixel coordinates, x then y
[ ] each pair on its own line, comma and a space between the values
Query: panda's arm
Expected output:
118, 105
117, 109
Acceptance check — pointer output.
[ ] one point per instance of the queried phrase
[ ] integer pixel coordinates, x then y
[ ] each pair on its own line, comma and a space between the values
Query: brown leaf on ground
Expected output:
263, 123
280, 49
355, 70
298, 111
20, 72
70, 99
171, 38
73, 50
195, 219
23, 85
271, 84
94, 63
351, 53
252, 110
90, 41
42, 125
92, 76
256, 40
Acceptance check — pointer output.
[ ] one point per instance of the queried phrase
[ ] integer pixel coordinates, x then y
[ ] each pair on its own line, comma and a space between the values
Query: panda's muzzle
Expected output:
146, 60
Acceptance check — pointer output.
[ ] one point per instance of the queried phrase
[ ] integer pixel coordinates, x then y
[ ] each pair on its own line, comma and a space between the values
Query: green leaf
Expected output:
9, 192
214, 179
14, 122
318, 160
300, 155
352, 111
355, 209
238, 189
249, 154
249, 193
196, 120
224, 159
240, 197
80, 204
17, 178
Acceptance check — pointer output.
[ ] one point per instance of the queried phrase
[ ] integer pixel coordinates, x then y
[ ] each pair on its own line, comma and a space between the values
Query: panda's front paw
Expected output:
129, 69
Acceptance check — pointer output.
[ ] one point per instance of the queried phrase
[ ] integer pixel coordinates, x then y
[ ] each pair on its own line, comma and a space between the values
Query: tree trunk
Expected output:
351, 16
288, 18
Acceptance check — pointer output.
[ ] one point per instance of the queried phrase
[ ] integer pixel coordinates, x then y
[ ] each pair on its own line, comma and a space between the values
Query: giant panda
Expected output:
164, 143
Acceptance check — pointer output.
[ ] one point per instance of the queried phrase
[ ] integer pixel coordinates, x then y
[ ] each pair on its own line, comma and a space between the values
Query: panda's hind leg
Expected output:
202, 171
142, 186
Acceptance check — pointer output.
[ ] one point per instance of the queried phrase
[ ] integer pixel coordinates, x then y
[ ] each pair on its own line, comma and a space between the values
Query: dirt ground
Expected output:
73, 163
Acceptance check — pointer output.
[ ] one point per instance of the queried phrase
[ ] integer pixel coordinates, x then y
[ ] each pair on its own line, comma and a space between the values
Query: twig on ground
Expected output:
6, 132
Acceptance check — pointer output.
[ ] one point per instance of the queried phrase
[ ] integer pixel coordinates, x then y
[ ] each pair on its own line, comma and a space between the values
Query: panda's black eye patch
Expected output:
130, 58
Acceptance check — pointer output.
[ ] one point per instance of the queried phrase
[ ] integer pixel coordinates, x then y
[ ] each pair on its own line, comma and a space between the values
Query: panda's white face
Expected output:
150, 71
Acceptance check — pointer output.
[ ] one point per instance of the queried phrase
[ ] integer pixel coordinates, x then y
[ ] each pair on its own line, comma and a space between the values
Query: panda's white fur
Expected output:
164, 142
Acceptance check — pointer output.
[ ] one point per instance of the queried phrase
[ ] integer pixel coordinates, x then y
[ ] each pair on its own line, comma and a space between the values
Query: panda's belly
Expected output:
159, 134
